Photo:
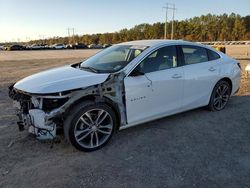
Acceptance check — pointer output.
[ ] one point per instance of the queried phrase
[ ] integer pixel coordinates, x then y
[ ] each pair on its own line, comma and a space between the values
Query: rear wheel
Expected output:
90, 125
220, 96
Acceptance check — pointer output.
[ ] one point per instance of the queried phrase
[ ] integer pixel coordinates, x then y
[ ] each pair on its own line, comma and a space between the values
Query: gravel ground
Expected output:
192, 149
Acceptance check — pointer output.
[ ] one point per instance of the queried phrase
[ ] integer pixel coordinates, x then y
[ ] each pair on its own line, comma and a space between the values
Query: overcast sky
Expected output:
31, 19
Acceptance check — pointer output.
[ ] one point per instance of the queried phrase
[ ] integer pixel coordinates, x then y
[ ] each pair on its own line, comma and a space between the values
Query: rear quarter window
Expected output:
212, 55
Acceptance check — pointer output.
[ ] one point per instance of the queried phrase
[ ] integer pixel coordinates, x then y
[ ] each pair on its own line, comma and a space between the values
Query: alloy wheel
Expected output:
93, 128
221, 97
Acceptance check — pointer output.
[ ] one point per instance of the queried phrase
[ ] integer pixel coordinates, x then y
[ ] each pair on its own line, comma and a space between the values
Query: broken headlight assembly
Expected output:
38, 112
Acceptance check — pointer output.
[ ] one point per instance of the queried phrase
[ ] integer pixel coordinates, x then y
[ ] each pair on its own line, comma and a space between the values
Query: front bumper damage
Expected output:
43, 114
38, 124
35, 114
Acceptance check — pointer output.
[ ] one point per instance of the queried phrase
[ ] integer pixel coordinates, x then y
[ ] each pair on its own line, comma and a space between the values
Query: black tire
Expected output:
76, 114
223, 98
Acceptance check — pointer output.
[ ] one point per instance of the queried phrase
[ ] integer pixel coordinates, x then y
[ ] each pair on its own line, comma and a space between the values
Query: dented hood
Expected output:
59, 79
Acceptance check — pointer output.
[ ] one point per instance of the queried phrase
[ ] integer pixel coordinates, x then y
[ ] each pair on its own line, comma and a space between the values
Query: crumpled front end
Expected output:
44, 113
37, 113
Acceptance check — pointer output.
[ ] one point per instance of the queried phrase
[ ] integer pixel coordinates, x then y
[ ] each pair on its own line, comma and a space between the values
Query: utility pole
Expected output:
165, 31
41, 39
172, 33
73, 33
68, 29
73, 30
167, 7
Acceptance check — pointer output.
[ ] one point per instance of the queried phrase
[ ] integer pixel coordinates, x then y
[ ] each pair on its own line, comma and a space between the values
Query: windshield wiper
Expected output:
91, 69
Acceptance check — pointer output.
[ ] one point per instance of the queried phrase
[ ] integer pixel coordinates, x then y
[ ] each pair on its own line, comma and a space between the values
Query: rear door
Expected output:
201, 73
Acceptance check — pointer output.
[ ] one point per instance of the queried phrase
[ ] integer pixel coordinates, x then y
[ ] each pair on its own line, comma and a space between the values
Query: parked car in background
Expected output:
15, 47
79, 46
2, 47
125, 85
68, 46
45, 46
106, 45
58, 46
95, 46
36, 47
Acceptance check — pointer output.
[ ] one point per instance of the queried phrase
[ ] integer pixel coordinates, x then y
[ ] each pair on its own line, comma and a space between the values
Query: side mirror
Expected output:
136, 72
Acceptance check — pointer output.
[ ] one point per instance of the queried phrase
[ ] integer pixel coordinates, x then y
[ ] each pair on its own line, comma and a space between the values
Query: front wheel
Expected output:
220, 96
90, 125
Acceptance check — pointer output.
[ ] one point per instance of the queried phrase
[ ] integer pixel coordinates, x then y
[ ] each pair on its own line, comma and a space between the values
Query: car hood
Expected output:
59, 79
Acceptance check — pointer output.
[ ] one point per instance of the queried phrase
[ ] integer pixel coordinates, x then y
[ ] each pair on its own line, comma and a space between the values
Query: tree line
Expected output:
208, 27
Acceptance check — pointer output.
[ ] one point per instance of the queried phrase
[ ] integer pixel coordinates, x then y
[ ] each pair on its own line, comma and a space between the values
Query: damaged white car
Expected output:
124, 85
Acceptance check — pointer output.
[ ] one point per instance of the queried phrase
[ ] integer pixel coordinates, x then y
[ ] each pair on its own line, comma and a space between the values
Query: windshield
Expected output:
112, 59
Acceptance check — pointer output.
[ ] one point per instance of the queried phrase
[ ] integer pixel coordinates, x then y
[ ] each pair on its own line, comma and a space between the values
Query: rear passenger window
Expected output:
212, 55
194, 54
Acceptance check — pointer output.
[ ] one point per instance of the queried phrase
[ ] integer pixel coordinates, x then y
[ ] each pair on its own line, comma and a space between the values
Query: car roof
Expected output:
152, 43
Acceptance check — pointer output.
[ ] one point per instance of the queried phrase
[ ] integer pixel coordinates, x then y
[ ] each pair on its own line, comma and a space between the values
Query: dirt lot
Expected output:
192, 149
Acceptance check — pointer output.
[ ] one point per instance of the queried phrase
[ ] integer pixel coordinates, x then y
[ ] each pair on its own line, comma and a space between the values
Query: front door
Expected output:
159, 91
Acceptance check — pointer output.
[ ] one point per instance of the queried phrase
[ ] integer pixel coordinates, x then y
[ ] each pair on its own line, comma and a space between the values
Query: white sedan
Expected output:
58, 46
36, 47
124, 85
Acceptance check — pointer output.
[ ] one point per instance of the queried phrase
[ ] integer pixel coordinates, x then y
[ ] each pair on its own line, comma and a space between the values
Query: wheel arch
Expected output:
96, 98
225, 79
228, 80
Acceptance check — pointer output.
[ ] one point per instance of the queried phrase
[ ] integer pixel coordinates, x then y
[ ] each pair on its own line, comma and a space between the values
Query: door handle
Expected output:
176, 76
211, 69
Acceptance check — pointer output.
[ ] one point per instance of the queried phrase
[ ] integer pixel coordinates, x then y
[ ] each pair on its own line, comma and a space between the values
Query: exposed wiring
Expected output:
42, 130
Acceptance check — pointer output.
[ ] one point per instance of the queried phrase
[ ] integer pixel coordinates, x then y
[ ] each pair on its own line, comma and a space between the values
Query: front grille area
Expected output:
23, 99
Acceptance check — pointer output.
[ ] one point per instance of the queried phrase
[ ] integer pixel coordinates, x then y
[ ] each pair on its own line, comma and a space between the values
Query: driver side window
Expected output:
161, 59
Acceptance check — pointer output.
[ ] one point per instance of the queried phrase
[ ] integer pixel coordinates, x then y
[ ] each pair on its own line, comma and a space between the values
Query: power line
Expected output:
166, 20
73, 30
68, 29
172, 32
171, 7
73, 33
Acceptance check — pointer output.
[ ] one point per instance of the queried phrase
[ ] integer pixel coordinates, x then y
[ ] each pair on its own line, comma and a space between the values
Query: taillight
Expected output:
239, 65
